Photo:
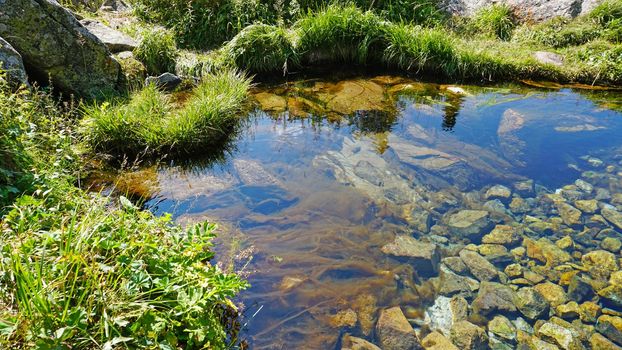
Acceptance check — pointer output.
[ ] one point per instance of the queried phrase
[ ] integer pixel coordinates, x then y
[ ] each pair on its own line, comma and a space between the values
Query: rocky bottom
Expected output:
540, 272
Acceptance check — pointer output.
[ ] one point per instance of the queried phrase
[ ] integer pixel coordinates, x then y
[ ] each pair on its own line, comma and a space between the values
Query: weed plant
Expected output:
496, 20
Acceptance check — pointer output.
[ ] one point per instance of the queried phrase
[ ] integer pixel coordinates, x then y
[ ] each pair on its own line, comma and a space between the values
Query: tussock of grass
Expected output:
149, 122
341, 35
417, 48
496, 20
157, 51
262, 48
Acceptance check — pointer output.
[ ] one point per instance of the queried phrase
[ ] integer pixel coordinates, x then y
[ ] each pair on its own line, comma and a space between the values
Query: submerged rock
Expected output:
445, 312
437, 341
425, 257
467, 336
469, 223
481, 268
599, 342
494, 298
570, 214
552, 293
501, 327
394, 331
559, 335
531, 303
613, 216
502, 234
546, 251
600, 263
353, 343
610, 327
498, 191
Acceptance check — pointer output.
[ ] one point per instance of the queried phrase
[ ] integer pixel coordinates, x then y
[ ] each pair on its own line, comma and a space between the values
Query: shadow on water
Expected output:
325, 173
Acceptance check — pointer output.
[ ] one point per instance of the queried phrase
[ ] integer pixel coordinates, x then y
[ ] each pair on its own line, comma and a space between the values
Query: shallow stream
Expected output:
326, 173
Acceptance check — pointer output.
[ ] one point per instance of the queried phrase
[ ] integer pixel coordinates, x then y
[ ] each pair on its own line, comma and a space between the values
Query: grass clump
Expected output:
77, 274
417, 48
261, 48
157, 51
341, 35
149, 123
496, 20
558, 32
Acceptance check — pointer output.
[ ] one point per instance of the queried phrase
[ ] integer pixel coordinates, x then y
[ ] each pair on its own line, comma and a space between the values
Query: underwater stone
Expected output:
616, 278
568, 311
589, 312
546, 251
451, 284
524, 187
455, 264
600, 263
503, 328
481, 268
580, 289
599, 342
611, 244
344, 318
437, 341
519, 205
613, 216
445, 312
559, 335
612, 294
584, 186
467, 336
469, 223
565, 243
353, 343
531, 303
610, 327
552, 293
570, 214
588, 206
502, 234
494, 298
425, 257
394, 331
498, 192
514, 270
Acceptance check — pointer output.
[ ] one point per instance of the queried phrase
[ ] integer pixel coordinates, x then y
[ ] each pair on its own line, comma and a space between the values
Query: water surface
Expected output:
327, 172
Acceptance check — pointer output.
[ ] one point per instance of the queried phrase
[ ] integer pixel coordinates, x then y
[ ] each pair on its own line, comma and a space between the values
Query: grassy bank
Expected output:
82, 271
493, 45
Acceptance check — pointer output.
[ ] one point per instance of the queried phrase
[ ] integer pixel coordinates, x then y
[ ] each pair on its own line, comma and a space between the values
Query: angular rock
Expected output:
112, 38
568, 311
513, 270
452, 284
166, 81
494, 298
559, 335
579, 289
570, 214
425, 257
546, 251
467, 336
481, 268
610, 327
394, 332
599, 342
53, 43
587, 206
611, 244
502, 234
613, 216
502, 328
531, 303
455, 264
344, 318
612, 295
552, 293
589, 312
445, 312
600, 263
498, 191
11, 62
353, 343
469, 223
437, 341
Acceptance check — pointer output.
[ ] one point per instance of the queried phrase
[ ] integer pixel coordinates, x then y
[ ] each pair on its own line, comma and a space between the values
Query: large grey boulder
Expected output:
11, 63
537, 10
53, 43
114, 39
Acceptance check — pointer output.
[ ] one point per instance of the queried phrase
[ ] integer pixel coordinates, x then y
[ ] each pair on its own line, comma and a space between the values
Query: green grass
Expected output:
151, 124
262, 48
157, 51
496, 20
420, 49
76, 274
341, 35
83, 271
